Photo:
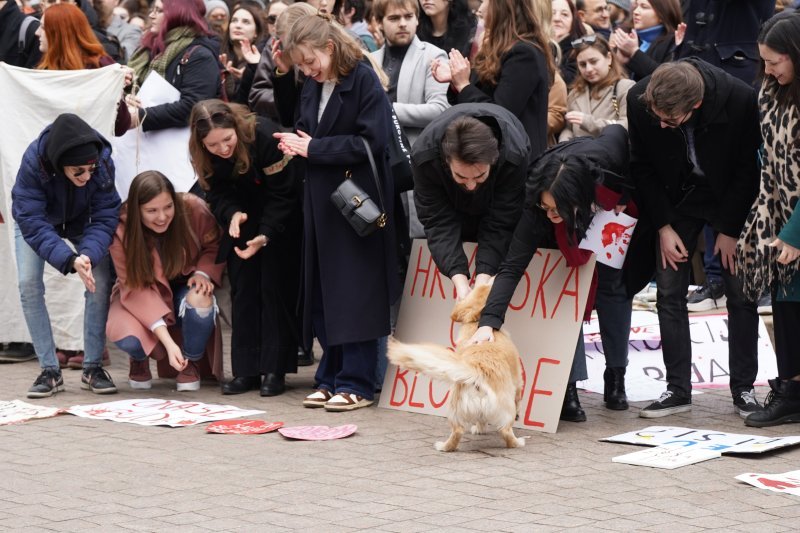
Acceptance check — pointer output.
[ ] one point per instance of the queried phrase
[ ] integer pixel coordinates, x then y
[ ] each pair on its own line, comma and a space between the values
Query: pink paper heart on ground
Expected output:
318, 432
243, 427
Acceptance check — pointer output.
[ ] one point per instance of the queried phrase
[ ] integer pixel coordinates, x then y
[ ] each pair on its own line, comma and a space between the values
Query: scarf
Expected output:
178, 39
648, 35
756, 262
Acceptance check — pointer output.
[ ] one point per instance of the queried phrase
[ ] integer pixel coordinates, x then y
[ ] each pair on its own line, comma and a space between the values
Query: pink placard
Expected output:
318, 432
243, 427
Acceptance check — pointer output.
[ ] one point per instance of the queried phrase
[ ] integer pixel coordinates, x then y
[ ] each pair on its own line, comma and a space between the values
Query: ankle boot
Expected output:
614, 390
571, 410
782, 405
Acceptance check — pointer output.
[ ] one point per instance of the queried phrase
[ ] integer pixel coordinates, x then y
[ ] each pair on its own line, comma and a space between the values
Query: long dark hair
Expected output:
669, 13
229, 47
212, 114
571, 181
139, 241
460, 22
781, 33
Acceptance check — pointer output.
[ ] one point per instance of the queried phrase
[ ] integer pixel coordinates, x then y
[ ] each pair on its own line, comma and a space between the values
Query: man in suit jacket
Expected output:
417, 97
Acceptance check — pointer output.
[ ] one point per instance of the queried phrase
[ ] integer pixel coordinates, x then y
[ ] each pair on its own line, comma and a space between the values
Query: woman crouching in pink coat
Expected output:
164, 251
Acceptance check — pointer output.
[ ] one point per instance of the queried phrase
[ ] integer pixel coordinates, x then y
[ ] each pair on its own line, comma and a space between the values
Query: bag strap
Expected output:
23, 32
374, 174
614, 101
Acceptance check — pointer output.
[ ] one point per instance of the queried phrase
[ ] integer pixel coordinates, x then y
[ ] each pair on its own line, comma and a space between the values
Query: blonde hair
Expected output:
319, 31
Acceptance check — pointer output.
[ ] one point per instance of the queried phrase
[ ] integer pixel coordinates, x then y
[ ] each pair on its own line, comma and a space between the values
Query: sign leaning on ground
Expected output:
704, 438
543, 319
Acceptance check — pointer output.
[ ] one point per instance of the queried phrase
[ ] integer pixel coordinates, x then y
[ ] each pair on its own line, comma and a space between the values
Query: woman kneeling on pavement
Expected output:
163, 304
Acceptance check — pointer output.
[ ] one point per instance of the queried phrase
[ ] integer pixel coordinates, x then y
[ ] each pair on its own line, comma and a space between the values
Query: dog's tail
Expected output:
432, 360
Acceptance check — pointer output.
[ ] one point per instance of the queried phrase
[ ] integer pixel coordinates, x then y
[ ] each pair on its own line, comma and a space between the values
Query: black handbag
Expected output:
355, 204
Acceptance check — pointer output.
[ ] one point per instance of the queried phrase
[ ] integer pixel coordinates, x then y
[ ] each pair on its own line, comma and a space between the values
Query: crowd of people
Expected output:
509, 123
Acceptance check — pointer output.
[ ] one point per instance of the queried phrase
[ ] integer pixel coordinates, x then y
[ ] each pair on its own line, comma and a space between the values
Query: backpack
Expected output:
23, 31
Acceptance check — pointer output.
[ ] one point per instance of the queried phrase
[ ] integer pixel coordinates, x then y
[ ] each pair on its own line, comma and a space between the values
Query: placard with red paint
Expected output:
609, 236
318, 432
786, 483
704, 438
243, 427
543, 319
16, 412
157, 412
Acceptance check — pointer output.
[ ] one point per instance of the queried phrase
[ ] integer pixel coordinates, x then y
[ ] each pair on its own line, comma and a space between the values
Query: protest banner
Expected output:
32, 99
609, 236
16, 412
703, 438
786, 483
543, 319
157, 412
667, 456
710, 369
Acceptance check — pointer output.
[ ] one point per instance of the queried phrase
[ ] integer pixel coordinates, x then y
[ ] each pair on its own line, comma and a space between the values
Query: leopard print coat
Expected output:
780, 189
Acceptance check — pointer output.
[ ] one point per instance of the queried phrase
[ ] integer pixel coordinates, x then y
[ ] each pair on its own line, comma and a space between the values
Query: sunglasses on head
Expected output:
215, 118
586, 39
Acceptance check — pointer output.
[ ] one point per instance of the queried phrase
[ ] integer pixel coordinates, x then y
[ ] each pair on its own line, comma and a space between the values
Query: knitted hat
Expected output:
211, 5
82, 154
622, 4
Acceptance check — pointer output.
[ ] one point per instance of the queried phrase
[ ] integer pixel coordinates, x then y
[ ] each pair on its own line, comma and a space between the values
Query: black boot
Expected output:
782, 405
572, 411
614, 390
274, 384
305, 357
241, 385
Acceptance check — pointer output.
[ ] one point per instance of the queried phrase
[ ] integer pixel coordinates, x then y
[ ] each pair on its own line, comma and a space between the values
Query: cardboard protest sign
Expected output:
704, 438
667, 456
609, 236
710, 369
16, 412
243, 427
786, 483
156, 412
543, 319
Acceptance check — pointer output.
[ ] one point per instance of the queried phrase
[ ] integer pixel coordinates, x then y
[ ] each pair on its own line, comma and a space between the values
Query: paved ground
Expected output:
73, 474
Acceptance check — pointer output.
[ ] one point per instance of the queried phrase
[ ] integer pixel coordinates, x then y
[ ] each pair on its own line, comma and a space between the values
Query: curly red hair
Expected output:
71, 43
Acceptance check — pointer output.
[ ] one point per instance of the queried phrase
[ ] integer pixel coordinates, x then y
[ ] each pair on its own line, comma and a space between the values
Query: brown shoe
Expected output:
345, 401
318, 398
189, 378
75, 361
139, 376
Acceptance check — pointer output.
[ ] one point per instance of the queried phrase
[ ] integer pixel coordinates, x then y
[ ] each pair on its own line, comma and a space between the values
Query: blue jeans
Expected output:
195, 329
30, 274
673, 318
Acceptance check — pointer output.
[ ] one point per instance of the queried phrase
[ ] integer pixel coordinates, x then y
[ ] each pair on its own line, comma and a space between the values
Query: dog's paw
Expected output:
520, 442
477, 429
441, 446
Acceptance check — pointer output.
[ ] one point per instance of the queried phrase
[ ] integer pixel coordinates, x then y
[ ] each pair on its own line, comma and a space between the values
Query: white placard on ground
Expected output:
17, 411
786, 483
668, 456
157, 412
704, 438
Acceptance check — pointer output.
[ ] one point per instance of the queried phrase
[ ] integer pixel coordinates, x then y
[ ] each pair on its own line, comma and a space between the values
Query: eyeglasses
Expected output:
215, 118
83, 170
586, 39
547, 209
670, 122
156, 11
271, 19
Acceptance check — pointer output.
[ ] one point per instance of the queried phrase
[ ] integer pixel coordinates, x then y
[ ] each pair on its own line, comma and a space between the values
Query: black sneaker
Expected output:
745, 403
97, 380
710, 296
48, 383
669, 404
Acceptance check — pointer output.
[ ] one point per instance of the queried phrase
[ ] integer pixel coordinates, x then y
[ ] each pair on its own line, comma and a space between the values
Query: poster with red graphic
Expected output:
157, 412
786, 483
543, 319
243, 427
609, 236
318, 432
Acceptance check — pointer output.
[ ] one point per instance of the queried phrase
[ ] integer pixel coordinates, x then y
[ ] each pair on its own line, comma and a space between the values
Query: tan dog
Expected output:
486, 378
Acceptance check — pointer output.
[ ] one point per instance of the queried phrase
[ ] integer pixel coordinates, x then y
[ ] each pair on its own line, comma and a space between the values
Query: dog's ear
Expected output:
469, 309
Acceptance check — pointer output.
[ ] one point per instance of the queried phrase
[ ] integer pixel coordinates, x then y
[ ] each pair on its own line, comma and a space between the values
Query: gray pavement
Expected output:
73, 474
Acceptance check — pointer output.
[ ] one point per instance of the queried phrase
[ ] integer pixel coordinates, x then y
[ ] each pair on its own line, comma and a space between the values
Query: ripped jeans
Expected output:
197, 325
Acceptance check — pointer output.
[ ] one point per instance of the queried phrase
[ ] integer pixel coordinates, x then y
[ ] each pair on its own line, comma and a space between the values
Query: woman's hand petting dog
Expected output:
482, 334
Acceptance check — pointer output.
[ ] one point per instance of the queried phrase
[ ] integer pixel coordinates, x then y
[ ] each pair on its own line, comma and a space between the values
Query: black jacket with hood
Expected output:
443, 206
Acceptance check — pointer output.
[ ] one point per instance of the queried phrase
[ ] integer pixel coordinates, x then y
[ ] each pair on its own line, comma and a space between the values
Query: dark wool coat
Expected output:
494, 208
11, 19
523, 85
643, 64
47, 207
264, 288
195, 72
357, 275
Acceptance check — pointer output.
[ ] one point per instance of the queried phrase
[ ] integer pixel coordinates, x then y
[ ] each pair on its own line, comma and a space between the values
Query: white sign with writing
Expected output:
16, 411
667, 456
156, 412
786, 483
543, 319
704, 438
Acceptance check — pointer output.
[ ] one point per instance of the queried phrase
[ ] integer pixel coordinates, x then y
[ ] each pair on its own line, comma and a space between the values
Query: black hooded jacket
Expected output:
442, 205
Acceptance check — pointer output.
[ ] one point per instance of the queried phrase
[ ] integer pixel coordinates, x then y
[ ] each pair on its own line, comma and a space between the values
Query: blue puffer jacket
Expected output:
47, 207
